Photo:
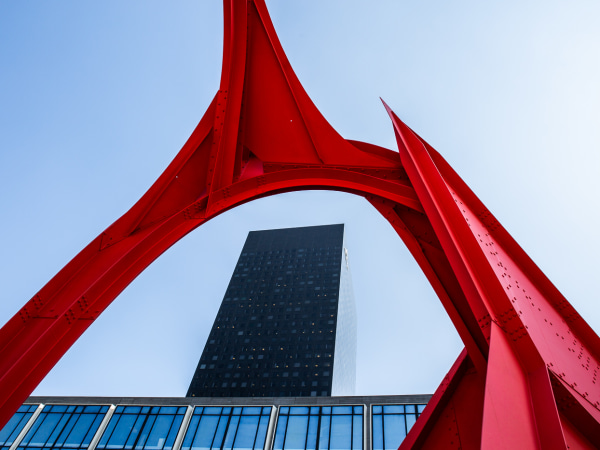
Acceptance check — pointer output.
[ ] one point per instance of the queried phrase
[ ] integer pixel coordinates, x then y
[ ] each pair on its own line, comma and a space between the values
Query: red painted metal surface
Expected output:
528, 375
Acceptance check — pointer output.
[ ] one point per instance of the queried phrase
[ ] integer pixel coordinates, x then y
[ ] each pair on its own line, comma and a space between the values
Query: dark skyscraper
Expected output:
287, 323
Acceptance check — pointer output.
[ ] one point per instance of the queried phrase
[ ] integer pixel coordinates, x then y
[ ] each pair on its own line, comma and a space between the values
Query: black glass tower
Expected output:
287, 323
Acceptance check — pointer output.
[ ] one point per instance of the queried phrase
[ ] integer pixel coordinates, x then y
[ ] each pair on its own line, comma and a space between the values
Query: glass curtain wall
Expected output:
319, 427
64, 427
391, 423
142, 427
237, 428
15, 425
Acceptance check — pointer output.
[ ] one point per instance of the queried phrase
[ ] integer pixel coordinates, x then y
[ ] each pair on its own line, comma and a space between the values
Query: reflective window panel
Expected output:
227, 428
391, 423
319, 427
64, 427
15, 425
143, 427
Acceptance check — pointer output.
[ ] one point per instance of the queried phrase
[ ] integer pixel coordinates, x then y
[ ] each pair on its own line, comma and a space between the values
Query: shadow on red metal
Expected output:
528, 375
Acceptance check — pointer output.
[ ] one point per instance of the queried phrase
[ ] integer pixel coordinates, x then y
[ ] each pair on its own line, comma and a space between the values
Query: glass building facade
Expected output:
287, 323
64, 427
391, 424
15, 425
228, 427
275, 423
319, 427
142, 427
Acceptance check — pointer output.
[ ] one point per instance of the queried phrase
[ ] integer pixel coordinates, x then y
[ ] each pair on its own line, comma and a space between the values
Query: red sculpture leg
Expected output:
448, 420
531, 330
527, 377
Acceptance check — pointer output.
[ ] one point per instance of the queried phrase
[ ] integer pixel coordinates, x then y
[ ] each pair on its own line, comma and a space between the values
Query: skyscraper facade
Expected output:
287, 323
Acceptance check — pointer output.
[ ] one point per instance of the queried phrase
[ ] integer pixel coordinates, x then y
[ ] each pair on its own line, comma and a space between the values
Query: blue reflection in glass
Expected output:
280, 432
295, 436
357, 432
391, 423
221, 428
262, 429
231, 431
377, 431
64, 427
396, 409
341, 432
246, 432
148, 428
323, 428
15, 425
313, 426
410, 421
239, 428
395, 429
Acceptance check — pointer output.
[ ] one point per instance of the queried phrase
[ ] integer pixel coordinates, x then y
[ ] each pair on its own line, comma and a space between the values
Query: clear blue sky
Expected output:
97, 97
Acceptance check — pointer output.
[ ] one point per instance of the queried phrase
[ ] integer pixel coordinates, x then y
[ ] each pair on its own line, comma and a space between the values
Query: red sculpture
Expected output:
528, 377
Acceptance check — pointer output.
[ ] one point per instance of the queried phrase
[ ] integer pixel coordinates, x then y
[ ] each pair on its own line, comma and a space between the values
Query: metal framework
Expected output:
528, 375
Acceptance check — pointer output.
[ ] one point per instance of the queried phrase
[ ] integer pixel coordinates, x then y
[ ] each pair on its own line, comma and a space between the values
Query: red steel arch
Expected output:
528, 375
